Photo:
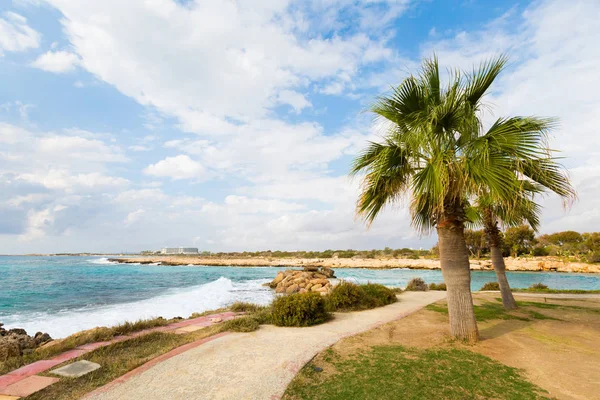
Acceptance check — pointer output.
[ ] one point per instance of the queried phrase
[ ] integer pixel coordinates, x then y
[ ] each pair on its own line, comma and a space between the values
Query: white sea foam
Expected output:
102, 260
175, 302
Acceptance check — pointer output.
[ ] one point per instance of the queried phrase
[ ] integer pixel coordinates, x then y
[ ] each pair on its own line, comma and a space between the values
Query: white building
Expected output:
179, 250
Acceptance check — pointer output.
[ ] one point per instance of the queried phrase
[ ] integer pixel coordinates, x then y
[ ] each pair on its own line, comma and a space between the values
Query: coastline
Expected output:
537, 264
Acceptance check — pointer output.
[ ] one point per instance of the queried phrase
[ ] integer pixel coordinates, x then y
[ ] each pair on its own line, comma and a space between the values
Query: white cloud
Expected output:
178, 167
56, 61
16, 34
133, 216
294, 99
255, 59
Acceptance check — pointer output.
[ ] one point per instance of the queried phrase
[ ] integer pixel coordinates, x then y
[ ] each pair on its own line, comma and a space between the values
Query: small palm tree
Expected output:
540, 176
435, 153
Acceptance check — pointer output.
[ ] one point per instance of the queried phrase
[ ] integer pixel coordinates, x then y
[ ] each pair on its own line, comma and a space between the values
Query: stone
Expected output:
316, 287
308, 286
280, 289
277, 279
302, 290
77, 369
9, 348
292, 289
41, 338
321, 276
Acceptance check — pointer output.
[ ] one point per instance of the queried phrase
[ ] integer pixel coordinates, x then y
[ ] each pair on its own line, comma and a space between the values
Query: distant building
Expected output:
179, 250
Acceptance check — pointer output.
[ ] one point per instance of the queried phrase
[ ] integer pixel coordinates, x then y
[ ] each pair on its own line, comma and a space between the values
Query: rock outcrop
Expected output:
311, 279
16, 342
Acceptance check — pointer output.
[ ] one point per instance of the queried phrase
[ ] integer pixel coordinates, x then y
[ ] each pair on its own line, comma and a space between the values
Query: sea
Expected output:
63, 295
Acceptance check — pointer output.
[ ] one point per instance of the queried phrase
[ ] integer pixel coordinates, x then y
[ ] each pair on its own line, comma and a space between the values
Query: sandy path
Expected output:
257, 365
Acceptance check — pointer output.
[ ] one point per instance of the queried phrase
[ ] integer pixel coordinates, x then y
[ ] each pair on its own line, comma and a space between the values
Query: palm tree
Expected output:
435, 153
540, 175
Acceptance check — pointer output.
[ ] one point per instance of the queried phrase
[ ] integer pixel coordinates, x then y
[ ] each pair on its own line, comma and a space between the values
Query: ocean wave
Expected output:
102, 261
175, 302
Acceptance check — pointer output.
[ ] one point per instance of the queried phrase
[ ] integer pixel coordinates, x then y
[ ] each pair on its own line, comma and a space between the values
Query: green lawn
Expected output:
398, 372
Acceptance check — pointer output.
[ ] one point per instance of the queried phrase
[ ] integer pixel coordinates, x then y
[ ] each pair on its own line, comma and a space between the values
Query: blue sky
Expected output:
231, 125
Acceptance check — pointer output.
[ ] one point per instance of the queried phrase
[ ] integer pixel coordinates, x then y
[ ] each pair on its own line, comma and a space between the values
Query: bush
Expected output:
540, 251
241, 306
538, 286
437, 286
242, 324
376, 295
491, 286
344, 296
299, 309
594, 257
416, 285
351, 297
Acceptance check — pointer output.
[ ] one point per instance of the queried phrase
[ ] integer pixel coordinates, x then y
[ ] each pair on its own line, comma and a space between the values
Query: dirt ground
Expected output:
560, 355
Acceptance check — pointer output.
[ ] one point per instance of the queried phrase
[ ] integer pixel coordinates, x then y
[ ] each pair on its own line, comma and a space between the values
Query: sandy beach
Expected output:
542, 264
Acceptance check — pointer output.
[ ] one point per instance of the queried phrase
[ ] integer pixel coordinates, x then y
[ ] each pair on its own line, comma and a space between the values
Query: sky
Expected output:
231, 125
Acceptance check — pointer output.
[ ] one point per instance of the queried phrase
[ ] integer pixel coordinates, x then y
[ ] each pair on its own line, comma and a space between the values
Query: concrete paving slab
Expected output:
190, 328
6, 397
28, 386
77, 369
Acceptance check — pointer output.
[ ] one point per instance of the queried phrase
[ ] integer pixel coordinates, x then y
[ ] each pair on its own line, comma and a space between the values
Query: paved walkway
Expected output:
257, 365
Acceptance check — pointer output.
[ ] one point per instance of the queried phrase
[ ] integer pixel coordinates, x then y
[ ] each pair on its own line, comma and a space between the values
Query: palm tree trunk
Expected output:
454, 259
495, 242
498, 263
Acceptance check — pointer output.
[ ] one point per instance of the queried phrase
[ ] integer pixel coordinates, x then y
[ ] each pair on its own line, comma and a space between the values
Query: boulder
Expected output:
277, 279
292, 289
294, 281
315, 288
9, 348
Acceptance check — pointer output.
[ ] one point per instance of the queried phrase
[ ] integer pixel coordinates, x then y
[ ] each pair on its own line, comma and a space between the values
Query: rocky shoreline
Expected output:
16, 342
535, 264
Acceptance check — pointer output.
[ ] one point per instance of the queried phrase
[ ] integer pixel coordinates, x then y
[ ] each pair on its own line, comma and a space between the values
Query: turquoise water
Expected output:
62, 295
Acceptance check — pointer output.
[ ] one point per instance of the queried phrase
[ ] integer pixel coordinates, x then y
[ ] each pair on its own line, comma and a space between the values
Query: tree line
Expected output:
522, 241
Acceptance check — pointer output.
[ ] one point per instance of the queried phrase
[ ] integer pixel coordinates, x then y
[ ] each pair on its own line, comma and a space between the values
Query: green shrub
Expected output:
242, 324
437, 286
540, 251
241, 306
344, 296
299, 309
538, 286
491, 286
351, 297
416, 285
376, 295
593, 257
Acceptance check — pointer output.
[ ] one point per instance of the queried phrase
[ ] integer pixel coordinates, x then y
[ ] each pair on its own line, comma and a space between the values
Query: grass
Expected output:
489, 311
100, 334
116, 360
394, 372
